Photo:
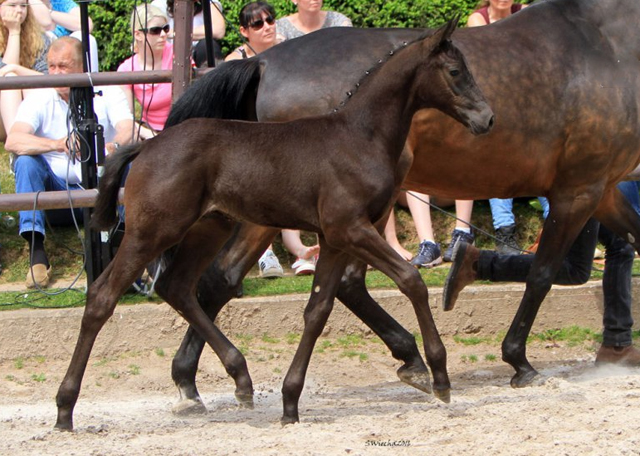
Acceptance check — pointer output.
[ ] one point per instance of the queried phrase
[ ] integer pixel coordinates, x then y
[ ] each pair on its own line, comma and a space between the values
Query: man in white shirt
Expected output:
40, 139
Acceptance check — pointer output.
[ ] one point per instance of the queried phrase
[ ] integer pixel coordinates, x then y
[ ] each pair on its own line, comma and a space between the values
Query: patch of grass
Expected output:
572, 335
39, 359
353, 354
277, 370
40, 378
115, 375
351, 340
268, 339
160, 352
11, 378
18, 363
471, 340
134, 369
490, 357
292, 338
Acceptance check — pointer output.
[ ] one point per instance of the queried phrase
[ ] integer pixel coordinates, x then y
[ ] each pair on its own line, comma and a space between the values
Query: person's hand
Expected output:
8, 68
11, 20
69, 145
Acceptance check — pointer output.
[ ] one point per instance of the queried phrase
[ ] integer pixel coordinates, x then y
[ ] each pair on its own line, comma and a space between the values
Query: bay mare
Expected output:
562, 78
185, 183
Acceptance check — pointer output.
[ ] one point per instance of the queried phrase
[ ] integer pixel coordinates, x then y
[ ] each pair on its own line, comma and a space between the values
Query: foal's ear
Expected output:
443, 34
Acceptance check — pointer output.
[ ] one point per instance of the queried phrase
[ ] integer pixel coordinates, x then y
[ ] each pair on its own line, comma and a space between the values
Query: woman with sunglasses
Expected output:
258, 27
309, 18
150, 28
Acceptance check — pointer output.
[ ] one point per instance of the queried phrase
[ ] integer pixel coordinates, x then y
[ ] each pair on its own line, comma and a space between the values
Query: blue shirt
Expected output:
63, 6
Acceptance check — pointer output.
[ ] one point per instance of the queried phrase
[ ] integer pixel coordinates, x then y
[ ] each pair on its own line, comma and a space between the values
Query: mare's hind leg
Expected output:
364, 242
566, 219
217, 286
354, 295
329, 270
102, 297
177, 285
615, 212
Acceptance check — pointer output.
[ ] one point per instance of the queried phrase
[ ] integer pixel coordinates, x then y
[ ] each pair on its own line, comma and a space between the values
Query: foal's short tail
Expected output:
105, 213
227, 92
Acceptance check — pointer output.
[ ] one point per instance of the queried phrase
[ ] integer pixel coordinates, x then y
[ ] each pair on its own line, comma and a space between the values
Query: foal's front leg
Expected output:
329, 269
364, 242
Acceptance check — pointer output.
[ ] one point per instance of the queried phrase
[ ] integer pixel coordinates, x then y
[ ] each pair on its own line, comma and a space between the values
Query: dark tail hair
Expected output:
227, 92
105, 213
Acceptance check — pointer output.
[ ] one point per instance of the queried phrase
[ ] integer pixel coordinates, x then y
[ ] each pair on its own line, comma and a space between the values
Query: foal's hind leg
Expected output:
354, 295
217, 286
325, 285
102, 297
615, 212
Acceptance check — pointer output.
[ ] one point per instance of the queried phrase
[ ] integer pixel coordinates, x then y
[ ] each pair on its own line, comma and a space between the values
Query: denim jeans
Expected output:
502, 211
34, 175
576, 269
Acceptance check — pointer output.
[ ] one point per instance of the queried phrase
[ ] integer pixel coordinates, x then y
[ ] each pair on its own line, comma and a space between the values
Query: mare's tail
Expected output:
105, 213
227, 92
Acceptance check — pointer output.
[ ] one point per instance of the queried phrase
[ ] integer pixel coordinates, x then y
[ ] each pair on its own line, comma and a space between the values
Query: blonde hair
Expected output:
143, 14
32, 41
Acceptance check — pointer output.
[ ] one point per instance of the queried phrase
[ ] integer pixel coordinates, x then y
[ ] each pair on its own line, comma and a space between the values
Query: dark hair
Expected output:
254, 10
197, 7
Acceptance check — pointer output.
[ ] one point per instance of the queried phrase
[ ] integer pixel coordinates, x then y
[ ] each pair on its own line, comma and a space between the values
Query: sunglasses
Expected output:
156, 30
257, 25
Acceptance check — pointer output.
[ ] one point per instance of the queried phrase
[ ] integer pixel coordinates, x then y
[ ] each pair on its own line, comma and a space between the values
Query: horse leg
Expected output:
365, 243
565, 220
177, 286
217, 286
353, 293
102, 297
616, 213
329, 270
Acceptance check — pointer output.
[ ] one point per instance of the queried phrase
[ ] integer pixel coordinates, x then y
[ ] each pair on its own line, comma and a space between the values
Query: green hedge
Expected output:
114, 37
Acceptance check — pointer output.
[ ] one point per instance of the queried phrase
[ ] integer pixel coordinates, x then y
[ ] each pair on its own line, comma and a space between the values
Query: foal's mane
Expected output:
379, 63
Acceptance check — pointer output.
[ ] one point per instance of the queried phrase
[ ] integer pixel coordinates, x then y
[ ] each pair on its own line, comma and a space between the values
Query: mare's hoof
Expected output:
245, 400
189, 407
524, 379
443, 394
416, 377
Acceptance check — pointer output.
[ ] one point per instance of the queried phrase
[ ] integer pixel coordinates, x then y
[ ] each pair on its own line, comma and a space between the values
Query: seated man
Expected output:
39, 138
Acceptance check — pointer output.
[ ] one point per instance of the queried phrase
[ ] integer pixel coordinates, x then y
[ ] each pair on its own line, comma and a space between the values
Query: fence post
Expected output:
183, 20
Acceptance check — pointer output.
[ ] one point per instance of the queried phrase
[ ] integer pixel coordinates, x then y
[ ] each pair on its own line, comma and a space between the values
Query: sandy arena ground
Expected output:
353, 404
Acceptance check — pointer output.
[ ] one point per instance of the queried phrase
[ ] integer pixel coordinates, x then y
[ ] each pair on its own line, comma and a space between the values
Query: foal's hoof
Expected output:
443, 394
64, 427
245, 400
189, 407
416, 377
286, 420
523, 379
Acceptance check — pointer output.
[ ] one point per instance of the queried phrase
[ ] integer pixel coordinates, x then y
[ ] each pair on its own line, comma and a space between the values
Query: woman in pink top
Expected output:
150, 28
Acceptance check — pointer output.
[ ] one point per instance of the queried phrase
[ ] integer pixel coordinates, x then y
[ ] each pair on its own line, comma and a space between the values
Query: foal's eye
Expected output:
454, 73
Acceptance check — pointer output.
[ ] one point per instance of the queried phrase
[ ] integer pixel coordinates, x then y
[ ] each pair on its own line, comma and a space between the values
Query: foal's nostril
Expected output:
492, 121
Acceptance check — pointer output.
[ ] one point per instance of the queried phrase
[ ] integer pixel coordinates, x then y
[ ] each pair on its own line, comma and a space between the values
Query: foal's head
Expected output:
444, 82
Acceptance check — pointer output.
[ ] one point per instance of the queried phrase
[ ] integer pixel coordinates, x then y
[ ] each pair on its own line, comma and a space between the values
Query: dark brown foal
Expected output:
183, 180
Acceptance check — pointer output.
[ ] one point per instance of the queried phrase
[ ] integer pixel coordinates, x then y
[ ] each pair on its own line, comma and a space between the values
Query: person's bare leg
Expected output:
464, 208
421, 212
293, 243
391, 235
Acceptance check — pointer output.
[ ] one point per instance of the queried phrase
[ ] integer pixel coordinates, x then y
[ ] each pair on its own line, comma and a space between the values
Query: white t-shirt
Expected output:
46, 113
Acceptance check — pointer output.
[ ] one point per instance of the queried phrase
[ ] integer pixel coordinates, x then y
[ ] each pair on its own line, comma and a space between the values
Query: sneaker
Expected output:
305, 267
463, 272
506, 241
623, 356
270, 266
457, 236
428, 255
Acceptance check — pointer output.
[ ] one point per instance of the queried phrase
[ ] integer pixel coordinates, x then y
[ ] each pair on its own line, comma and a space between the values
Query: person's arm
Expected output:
476, 20
233, 55
18, 70
70, 20
21, 140
217, 26
124, 135
12, 23
42, 12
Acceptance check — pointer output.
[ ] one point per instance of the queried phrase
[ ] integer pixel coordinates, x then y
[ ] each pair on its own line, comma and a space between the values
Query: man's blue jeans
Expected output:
502, 211
576, 269
34, 175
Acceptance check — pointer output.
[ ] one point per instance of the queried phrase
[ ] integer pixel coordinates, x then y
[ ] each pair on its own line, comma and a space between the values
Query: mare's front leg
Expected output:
364, 242
217, 286
354, 295
566, 219
329, 269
